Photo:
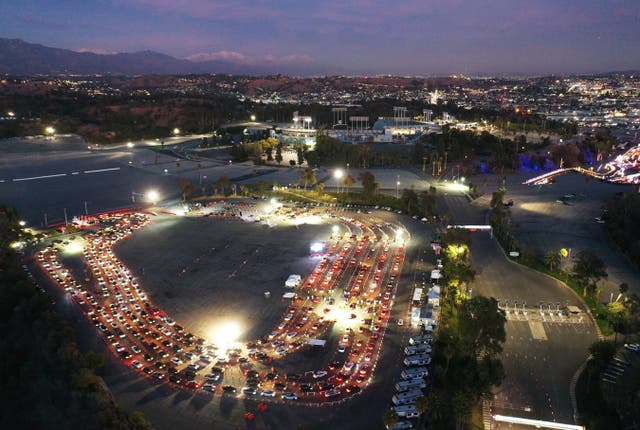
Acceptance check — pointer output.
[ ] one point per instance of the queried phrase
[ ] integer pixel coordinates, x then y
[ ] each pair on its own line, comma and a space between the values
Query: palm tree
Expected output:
320, 188
552, 260
308, 176
348, 181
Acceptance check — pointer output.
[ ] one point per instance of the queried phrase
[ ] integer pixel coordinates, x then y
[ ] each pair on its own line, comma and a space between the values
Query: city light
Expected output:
129, 144
253, 117
335, 229
153, 196
11, 114
176, 131
338, 174
22, 223
50, 130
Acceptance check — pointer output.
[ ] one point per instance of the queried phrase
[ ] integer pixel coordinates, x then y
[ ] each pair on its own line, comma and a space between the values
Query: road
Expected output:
541, 353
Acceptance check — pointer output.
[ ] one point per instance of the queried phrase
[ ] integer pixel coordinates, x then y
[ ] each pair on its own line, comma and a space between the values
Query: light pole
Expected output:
397, 185
338, 174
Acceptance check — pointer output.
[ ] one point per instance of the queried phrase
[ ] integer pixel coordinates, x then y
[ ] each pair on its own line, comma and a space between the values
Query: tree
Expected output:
279, 154
588, 269
390, 418
186, 188
223, 182
623, 288
428, 201
409, 201
552, 260
320, 188
369, 183
348, 181
308, 176
481, 325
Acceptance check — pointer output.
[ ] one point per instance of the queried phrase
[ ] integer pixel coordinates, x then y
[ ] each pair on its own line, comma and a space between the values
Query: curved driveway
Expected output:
542, 352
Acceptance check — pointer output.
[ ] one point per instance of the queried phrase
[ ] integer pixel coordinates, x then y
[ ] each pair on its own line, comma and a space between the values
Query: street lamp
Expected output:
338, 174
153, 196
50, 131
397, 186
253, 117
129, 144
176, 131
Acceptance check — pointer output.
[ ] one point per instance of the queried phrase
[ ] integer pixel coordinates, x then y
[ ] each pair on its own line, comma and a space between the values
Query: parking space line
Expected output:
39, 177
110, 169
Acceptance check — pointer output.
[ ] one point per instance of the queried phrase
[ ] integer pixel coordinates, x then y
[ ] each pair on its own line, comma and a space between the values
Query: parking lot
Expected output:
205, 274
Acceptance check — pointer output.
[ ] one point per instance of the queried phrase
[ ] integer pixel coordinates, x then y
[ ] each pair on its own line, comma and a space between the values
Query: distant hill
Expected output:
18, 57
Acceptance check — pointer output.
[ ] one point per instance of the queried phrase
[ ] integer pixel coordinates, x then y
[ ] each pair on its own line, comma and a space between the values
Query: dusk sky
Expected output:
348, 36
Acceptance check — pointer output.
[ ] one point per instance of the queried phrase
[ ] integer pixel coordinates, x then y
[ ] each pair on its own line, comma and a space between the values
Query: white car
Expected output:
319, 374
136, 364
401, 322
632, 347
207, 386
268, 393
176, 361
290, 396
136, 349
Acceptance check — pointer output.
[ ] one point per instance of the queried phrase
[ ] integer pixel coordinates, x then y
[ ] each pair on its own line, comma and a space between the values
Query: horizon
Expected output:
361, 38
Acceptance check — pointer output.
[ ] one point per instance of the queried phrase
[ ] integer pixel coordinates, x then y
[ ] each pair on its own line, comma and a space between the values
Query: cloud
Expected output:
97, 51
239, 58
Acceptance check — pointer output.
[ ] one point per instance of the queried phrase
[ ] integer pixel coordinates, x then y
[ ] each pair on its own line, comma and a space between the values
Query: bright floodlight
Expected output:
253, 117
176, 131
50, 130
153, 196
335, 229
338, 174
225, 334
11, 114
273, 201
317, 247
399, 233
129, 144
22, 223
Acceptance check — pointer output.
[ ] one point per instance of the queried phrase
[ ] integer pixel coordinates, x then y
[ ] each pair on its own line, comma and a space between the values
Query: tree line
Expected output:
45, 381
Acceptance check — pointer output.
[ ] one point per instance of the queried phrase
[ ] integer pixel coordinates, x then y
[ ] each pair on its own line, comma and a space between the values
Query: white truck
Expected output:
406, 411
417, 340
410, 384
414, 372
417, 360
406, 397
417, 349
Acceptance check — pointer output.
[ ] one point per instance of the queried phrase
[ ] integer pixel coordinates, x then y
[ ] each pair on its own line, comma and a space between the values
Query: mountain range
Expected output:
18, 57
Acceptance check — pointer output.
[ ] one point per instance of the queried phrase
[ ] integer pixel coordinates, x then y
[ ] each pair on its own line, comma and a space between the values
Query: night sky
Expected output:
348, 36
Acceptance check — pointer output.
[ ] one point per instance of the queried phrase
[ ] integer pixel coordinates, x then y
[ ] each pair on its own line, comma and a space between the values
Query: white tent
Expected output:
289, 296
293, 281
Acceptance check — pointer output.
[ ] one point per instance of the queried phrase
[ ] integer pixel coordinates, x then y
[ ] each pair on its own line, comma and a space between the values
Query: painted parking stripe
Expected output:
39, 177
110, 169
75, 173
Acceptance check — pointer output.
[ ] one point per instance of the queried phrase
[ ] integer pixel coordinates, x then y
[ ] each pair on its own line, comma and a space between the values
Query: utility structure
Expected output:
339, 117
427, 115
400, 116
359, 123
